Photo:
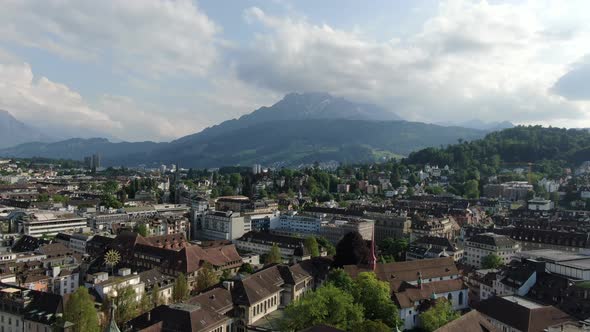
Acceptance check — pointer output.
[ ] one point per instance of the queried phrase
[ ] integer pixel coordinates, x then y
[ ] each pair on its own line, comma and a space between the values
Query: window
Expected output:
450, 297
461, 298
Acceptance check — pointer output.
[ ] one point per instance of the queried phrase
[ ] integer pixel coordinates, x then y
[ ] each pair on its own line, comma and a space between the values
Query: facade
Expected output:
335, 230
105, 285
223, 225
298, 224
292, 248
28, 310
438, 227
390, 225
513, 191
41, 223
479, 246
433, 247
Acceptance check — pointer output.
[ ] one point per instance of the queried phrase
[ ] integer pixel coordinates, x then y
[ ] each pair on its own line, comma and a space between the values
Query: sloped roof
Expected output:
522, 314
411, 293
472, 321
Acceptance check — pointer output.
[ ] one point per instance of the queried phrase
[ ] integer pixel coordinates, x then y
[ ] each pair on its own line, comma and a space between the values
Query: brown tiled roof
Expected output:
178, 317
410, 293
472, 321
218, 299
258, 286
55, 250
521, 317
397, 272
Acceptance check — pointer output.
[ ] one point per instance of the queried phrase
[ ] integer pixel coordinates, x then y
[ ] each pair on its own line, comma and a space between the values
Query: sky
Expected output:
161, 69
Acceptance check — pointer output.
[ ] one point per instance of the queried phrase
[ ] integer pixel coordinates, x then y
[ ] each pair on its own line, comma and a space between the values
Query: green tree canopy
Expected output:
341, 280
375, 297
274, 256
81, 312
328, 305
127, 305
324, 243
141, 229
246, 268
206, 277
491, 261
370, 326
439, 315
471, 189
311, 245
180, 291
394, 247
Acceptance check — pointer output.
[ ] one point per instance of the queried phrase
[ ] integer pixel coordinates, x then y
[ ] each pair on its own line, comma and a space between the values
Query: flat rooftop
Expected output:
523, 302
553, 255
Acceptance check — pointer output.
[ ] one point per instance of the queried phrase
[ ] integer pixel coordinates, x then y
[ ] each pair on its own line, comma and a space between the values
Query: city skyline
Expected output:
158, 70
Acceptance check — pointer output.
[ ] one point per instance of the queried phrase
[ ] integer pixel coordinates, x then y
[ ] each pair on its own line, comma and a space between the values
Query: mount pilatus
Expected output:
13, 132
300, 128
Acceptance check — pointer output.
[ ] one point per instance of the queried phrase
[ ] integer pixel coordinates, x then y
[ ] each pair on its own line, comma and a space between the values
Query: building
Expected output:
472, 321
104, 284
223, 225
430, 226
433, 247
39, 223
298, 224
415, 283
390, 225
104, 221
563, 263
518, 314
513, 191
482, 245
335, 230
539, 204
23, 309
292, 248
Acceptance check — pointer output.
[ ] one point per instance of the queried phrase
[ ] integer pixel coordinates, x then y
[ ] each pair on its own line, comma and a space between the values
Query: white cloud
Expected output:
152, 37
43, 103
472, 60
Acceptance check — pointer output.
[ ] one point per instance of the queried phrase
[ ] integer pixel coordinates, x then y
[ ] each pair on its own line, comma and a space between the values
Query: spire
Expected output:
112, 326
373, 258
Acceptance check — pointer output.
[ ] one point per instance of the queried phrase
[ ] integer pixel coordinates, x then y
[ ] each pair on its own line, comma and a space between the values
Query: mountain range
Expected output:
299, 129
14, 132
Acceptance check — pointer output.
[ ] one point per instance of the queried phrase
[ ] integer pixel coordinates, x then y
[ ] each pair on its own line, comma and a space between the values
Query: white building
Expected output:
223, 225
539, 204
41, 223
480, 246
294, 223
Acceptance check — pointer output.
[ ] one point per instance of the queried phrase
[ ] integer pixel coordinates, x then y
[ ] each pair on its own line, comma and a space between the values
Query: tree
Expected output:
439, 315
375, 297
80, 311
491, 261
311, 245
235, 179
274, 256
180, 290
351, 250
246, 268
127, 305
142, 229
155, 296
471, 189
394, 247
324, 243
206, 277
341, 280
328, 305
370, 326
